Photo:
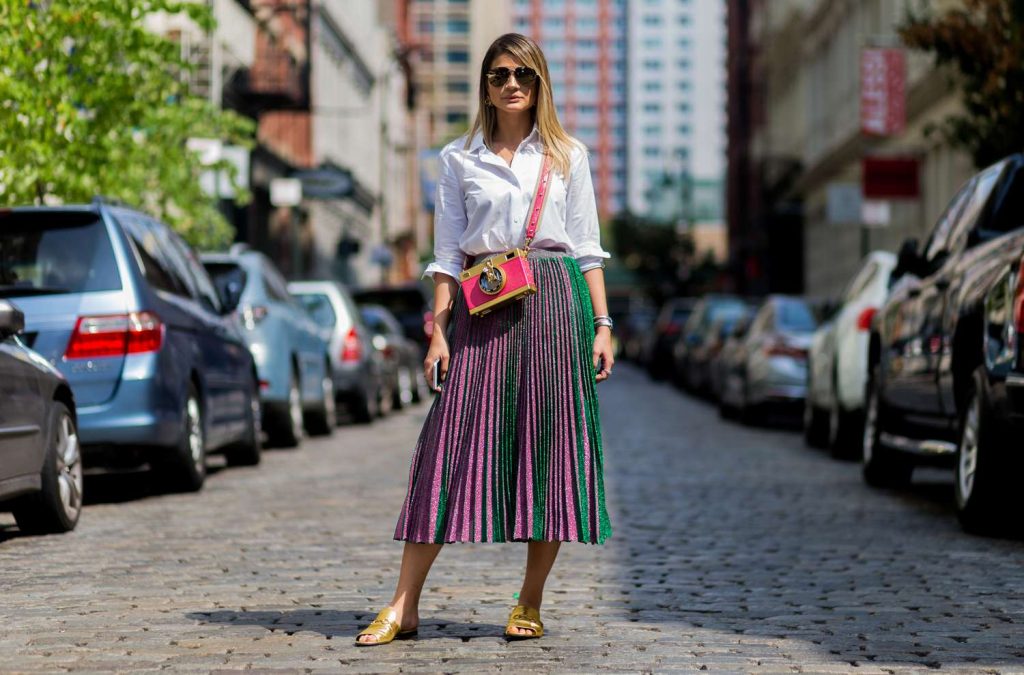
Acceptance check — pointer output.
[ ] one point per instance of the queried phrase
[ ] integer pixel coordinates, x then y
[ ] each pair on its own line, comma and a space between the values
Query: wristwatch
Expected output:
604, 320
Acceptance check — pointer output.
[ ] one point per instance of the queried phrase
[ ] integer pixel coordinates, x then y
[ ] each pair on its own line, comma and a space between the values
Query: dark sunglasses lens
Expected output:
525, 76
498, 77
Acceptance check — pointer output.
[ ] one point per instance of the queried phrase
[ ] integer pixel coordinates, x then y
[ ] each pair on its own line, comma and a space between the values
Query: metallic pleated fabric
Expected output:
511, 447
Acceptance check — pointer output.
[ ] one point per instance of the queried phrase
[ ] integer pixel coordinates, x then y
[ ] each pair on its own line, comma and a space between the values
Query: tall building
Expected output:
585, 43
677, 109
446, 39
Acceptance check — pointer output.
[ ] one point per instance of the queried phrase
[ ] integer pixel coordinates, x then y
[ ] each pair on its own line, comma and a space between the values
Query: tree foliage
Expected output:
93, 103
984, 41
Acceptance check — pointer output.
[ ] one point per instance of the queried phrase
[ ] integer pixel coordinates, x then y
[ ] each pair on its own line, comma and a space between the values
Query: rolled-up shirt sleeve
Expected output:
581, 223
449, 217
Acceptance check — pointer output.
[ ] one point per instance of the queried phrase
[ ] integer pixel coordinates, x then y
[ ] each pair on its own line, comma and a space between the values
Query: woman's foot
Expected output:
524, 622
406, 621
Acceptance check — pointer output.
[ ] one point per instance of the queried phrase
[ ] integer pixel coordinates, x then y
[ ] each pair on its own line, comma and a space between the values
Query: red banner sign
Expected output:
883, 92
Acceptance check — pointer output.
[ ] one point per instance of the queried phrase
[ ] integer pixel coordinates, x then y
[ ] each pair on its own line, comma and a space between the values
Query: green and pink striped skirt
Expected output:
511, 447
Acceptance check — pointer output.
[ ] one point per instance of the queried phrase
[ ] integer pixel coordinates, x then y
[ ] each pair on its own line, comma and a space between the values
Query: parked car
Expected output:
411, 305
400, 353
673, 315
702, 338
721, 364
934, 379
769, 367
122, 307
358, 379
40, 459
637, 324
296, 384
838, 361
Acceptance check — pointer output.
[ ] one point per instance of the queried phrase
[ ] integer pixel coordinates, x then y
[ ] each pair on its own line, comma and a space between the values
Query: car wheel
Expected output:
286, 432
420, 390
845, 427
815, 424
58, 505
982, 490
404, 393
882, 466
364, 406
322, 421
248, 451
185, 469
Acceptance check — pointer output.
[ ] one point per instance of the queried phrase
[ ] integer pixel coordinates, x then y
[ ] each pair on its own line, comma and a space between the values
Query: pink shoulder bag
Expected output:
504, 277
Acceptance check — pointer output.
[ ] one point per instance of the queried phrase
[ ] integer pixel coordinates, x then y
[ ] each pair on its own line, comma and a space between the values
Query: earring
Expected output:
487, 102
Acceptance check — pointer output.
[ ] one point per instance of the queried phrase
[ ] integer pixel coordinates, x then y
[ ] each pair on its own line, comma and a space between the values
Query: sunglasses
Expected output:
499, 76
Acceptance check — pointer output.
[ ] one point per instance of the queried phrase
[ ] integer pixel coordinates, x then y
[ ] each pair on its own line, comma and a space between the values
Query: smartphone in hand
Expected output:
435, 375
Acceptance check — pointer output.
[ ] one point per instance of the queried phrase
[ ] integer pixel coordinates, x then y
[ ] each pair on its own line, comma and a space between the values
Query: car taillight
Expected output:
865, 317
352, 349
1018, 300
780, 347
115, 335
672, 329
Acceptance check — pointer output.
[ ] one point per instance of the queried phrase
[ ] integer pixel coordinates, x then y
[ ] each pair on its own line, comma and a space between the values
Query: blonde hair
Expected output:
557, 142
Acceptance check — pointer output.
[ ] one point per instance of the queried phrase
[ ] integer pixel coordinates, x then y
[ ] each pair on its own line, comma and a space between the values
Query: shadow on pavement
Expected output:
341, 624
736, 538
115, 487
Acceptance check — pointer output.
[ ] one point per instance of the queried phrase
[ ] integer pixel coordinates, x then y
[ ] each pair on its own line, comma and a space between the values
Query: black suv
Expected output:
932, 378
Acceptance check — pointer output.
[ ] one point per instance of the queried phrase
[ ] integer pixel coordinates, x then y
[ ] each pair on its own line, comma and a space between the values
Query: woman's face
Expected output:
512, 96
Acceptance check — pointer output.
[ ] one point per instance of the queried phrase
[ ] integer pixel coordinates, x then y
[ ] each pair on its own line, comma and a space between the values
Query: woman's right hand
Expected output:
438, 350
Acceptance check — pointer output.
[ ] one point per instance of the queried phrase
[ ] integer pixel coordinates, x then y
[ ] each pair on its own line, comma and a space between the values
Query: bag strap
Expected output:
539, 199
540, 194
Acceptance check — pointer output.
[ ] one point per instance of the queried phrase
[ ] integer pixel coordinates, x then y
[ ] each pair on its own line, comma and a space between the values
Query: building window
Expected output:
684, 64
684, 43
684, 20
652, 20
586, 109
586, 65
653, 43
652, 151
652, 64
459, 26
681, 153
457, 56
425, 26
684, 129
652, 85
683, 107
458, 86
653, 130
685, 86
554, 23
456, 117
652, 107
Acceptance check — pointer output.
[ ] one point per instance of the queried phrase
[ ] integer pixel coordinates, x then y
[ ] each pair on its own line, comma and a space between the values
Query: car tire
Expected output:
364, 406
844, 428
815, 425
321, 422
58, 505
882, 466
184, 470
249, 450
981, 481
286, 429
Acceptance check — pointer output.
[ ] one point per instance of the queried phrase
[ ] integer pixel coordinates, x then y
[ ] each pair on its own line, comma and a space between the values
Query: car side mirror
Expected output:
231, 296
12, 320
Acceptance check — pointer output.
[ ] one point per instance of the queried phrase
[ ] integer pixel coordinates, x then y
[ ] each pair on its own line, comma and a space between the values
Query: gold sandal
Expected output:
385, 628
527, 618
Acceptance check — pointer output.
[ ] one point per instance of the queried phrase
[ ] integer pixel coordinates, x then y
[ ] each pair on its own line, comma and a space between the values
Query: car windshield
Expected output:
319, 307
796, 316
726, 311
49, 252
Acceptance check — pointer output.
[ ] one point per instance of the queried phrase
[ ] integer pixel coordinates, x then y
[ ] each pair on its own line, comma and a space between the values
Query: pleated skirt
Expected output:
511, 447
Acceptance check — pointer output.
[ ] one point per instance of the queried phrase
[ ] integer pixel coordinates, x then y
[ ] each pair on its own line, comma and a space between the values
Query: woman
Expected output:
511, 447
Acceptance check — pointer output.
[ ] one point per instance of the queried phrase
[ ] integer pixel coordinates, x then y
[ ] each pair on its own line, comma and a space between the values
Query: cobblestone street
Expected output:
735, 549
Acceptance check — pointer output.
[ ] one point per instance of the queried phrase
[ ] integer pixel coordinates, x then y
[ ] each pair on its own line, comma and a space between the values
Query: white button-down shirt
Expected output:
483, 205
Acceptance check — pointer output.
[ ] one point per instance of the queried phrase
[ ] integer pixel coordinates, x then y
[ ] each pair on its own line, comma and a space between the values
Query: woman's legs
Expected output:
540, 557
416, 562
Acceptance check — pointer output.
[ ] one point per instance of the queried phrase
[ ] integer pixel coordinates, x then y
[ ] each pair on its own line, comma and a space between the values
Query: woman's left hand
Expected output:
603, 350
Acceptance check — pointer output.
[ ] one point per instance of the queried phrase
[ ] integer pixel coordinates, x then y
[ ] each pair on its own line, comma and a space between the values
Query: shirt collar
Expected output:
532, 140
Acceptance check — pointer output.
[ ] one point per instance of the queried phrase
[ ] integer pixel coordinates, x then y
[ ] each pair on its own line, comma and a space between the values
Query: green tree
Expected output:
91, 102
984, 41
